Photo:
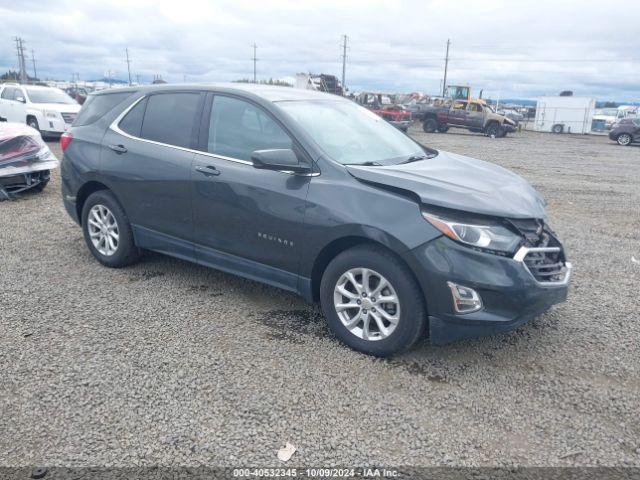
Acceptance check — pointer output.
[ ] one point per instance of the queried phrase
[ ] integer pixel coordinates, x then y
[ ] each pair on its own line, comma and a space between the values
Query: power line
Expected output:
344, 61
446, 65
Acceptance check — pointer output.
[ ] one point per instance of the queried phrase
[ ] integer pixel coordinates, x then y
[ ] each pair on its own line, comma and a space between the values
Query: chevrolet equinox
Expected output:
312, 193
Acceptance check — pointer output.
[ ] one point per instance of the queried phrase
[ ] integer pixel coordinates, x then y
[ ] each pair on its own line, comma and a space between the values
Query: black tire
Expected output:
41, 186
126, 252
493, 130
443, 128
557, 128
429, 125
624, 139
413, 315
33, 123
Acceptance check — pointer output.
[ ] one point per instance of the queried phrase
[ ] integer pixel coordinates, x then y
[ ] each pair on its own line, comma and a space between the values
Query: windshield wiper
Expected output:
416, 158
365, 164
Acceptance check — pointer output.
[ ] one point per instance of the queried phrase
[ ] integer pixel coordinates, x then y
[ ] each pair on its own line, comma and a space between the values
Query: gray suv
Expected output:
314, 194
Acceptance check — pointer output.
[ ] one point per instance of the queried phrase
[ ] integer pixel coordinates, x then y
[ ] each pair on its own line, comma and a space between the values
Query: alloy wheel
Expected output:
103, 230
366, 304
624, 139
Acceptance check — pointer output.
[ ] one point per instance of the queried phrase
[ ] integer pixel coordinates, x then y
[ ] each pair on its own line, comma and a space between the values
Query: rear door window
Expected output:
170, 118
132, 121
238, 128
96, 106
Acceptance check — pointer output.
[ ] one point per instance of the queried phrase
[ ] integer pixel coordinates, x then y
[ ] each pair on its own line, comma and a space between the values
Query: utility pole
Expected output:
21, 59
254, 62
138, 78
344, 61
128, 65
33, 60
446, 65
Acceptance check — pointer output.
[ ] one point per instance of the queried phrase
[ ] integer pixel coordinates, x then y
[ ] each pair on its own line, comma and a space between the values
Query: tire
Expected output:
557, 128
624, 139
493, 130
409, 308
125, 251
33, 123
41, 186
443, 128
429, 125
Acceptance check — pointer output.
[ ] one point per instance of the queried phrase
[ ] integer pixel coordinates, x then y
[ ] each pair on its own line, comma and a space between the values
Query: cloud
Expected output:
520, 49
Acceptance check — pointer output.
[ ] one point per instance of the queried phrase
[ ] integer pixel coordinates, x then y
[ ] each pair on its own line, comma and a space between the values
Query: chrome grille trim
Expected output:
522, 254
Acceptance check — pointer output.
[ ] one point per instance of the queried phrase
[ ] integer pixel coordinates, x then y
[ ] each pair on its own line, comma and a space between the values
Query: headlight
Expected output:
490, 237
51, 114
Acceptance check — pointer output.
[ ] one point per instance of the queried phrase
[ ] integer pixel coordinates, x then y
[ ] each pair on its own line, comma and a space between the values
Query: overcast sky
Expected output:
513, 48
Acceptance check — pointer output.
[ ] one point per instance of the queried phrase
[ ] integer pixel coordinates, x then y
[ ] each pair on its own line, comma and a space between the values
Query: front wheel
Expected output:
372, 302
624, 139
33, 123
493, 130
107, 231
429, 125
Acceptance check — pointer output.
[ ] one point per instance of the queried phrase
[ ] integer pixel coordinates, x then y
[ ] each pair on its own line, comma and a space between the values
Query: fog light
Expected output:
465, 300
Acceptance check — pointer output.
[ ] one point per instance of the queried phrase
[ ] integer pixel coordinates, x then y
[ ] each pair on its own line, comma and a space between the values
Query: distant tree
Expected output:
13, 76
609, 105
566, 93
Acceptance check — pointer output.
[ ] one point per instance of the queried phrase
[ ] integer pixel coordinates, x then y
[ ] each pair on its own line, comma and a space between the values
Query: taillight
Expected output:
65, 140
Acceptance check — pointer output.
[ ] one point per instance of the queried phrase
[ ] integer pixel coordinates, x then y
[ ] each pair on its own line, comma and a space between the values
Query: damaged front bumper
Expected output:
510, 293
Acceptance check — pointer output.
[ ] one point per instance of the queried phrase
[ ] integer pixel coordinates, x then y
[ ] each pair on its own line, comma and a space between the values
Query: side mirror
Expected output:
21, 99
280, 159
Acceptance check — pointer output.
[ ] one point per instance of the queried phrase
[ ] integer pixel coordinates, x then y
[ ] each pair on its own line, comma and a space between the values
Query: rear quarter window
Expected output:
96, 106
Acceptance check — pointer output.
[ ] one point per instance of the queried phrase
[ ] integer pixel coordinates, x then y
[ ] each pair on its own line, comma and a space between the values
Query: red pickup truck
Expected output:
381, 104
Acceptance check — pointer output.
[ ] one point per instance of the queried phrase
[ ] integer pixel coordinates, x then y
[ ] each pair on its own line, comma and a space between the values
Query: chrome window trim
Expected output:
522, 253
116, 128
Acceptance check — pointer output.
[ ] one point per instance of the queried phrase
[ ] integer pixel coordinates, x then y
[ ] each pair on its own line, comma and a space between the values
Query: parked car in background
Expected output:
511, 114
79, 94
46, 109
474, 115
385, 106
312, 193
25, 160
626, 131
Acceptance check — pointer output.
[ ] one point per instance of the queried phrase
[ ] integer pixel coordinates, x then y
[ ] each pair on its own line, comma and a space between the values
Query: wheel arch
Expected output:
339, 245
87, 189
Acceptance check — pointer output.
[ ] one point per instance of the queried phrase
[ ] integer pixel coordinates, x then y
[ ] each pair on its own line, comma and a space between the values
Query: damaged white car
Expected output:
25, 160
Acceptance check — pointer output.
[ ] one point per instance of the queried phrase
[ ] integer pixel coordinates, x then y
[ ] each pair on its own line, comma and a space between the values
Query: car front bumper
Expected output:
401, 124
54, 126
510, 294
509, 128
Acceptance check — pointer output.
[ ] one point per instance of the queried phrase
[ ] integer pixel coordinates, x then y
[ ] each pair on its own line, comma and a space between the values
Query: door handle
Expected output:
208, 170
119, 149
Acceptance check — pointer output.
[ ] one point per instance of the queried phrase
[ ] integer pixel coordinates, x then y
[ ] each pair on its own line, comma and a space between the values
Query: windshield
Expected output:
49, 96
351, 134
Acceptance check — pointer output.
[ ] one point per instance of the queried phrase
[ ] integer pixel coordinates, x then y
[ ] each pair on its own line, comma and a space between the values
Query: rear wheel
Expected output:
429, 125
624, 139
372, 302
557, 128
107, 231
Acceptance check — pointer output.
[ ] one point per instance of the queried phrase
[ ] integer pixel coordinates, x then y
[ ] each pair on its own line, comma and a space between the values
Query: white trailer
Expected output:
564, 114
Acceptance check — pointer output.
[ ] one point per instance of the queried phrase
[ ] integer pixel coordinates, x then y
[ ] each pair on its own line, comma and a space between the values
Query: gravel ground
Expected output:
171, 363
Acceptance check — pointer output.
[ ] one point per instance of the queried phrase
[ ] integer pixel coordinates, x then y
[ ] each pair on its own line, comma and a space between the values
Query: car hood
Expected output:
460, 183
58, 107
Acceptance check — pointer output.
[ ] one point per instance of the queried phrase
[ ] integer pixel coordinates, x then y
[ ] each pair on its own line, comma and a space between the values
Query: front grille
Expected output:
541, 252
69, 117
